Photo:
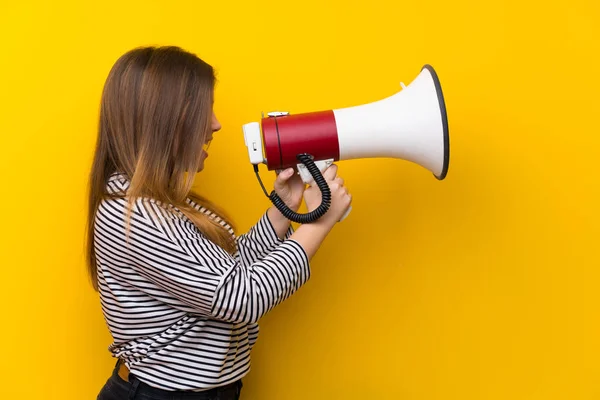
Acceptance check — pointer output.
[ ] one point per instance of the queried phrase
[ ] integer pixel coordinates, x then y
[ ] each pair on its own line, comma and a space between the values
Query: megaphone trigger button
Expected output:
278, 113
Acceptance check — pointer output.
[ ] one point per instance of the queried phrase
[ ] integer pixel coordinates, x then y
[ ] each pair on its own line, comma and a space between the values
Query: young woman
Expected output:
180, 292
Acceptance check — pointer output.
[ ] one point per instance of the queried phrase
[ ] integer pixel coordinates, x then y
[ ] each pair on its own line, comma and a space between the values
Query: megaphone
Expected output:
411, 125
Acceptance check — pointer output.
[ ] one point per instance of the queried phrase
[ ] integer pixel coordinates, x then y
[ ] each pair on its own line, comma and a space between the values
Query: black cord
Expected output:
259, 180
321, 183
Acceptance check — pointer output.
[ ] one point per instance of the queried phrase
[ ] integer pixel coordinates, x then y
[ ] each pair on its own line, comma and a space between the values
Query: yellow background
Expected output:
483, 286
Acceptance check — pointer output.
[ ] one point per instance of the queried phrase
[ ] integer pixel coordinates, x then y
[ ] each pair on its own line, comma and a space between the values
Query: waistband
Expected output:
123, 376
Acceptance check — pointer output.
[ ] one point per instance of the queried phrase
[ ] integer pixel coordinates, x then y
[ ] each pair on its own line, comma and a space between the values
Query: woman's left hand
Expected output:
290, 188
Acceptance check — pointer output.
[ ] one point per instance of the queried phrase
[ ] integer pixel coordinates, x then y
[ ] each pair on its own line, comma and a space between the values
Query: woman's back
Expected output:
163, 338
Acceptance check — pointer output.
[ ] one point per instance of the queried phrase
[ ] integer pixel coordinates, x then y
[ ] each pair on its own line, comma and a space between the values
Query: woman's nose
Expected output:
215, 125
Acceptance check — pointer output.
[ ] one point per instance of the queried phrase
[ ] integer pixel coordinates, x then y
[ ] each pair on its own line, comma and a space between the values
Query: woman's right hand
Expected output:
340, 198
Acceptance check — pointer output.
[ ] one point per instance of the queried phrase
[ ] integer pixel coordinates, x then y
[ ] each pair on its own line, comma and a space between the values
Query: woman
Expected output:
180, 292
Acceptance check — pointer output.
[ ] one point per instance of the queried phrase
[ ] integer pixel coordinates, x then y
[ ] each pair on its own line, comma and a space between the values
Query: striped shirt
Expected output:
182, 312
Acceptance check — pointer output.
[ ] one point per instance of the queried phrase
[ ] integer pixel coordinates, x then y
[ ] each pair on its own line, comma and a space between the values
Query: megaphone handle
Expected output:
317, 213
306, 174
307, 177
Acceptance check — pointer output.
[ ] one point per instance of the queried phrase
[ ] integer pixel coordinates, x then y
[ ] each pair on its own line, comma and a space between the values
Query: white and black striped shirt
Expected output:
182, 312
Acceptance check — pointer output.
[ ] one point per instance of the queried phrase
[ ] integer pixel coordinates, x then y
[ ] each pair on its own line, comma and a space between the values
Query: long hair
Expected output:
155, 117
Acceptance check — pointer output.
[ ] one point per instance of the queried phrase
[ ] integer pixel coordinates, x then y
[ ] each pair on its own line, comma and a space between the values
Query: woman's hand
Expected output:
290, 188
340, 199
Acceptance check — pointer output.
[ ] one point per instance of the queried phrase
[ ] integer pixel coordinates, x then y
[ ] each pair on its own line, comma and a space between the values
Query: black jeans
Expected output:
116, 388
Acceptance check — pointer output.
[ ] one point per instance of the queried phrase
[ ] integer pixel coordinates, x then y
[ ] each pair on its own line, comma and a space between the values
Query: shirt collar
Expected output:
118, 183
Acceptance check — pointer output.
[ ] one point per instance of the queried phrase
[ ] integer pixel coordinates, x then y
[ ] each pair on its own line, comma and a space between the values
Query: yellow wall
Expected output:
484, 286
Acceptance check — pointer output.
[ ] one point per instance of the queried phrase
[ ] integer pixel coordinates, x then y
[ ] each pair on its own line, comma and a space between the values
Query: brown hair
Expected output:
155, 116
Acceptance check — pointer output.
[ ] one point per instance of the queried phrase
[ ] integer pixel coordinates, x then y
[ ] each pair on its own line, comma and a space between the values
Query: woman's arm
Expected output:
273, 228
193, 274
262, 238
176, 264
179, 266
281, 224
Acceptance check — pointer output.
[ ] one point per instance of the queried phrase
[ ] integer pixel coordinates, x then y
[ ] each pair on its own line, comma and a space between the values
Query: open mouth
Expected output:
206, 146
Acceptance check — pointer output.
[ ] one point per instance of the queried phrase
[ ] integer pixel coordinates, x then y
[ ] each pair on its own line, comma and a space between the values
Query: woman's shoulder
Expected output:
117, 203
150, 209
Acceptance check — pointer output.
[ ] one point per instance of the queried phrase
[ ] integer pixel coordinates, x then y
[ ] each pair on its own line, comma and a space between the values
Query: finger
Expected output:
286, 174
283, 176
330, 172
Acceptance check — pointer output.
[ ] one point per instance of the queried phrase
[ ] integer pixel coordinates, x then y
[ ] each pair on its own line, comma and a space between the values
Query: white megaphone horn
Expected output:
411, 125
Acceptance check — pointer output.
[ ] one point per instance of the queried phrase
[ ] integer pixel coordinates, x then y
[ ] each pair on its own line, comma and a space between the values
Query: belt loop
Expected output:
134, 386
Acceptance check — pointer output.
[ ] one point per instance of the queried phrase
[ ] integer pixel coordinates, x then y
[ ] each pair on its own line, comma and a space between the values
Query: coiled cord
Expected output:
317, 213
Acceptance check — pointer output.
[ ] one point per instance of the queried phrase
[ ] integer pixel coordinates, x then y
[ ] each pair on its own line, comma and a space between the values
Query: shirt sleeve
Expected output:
200, 277
260, 240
